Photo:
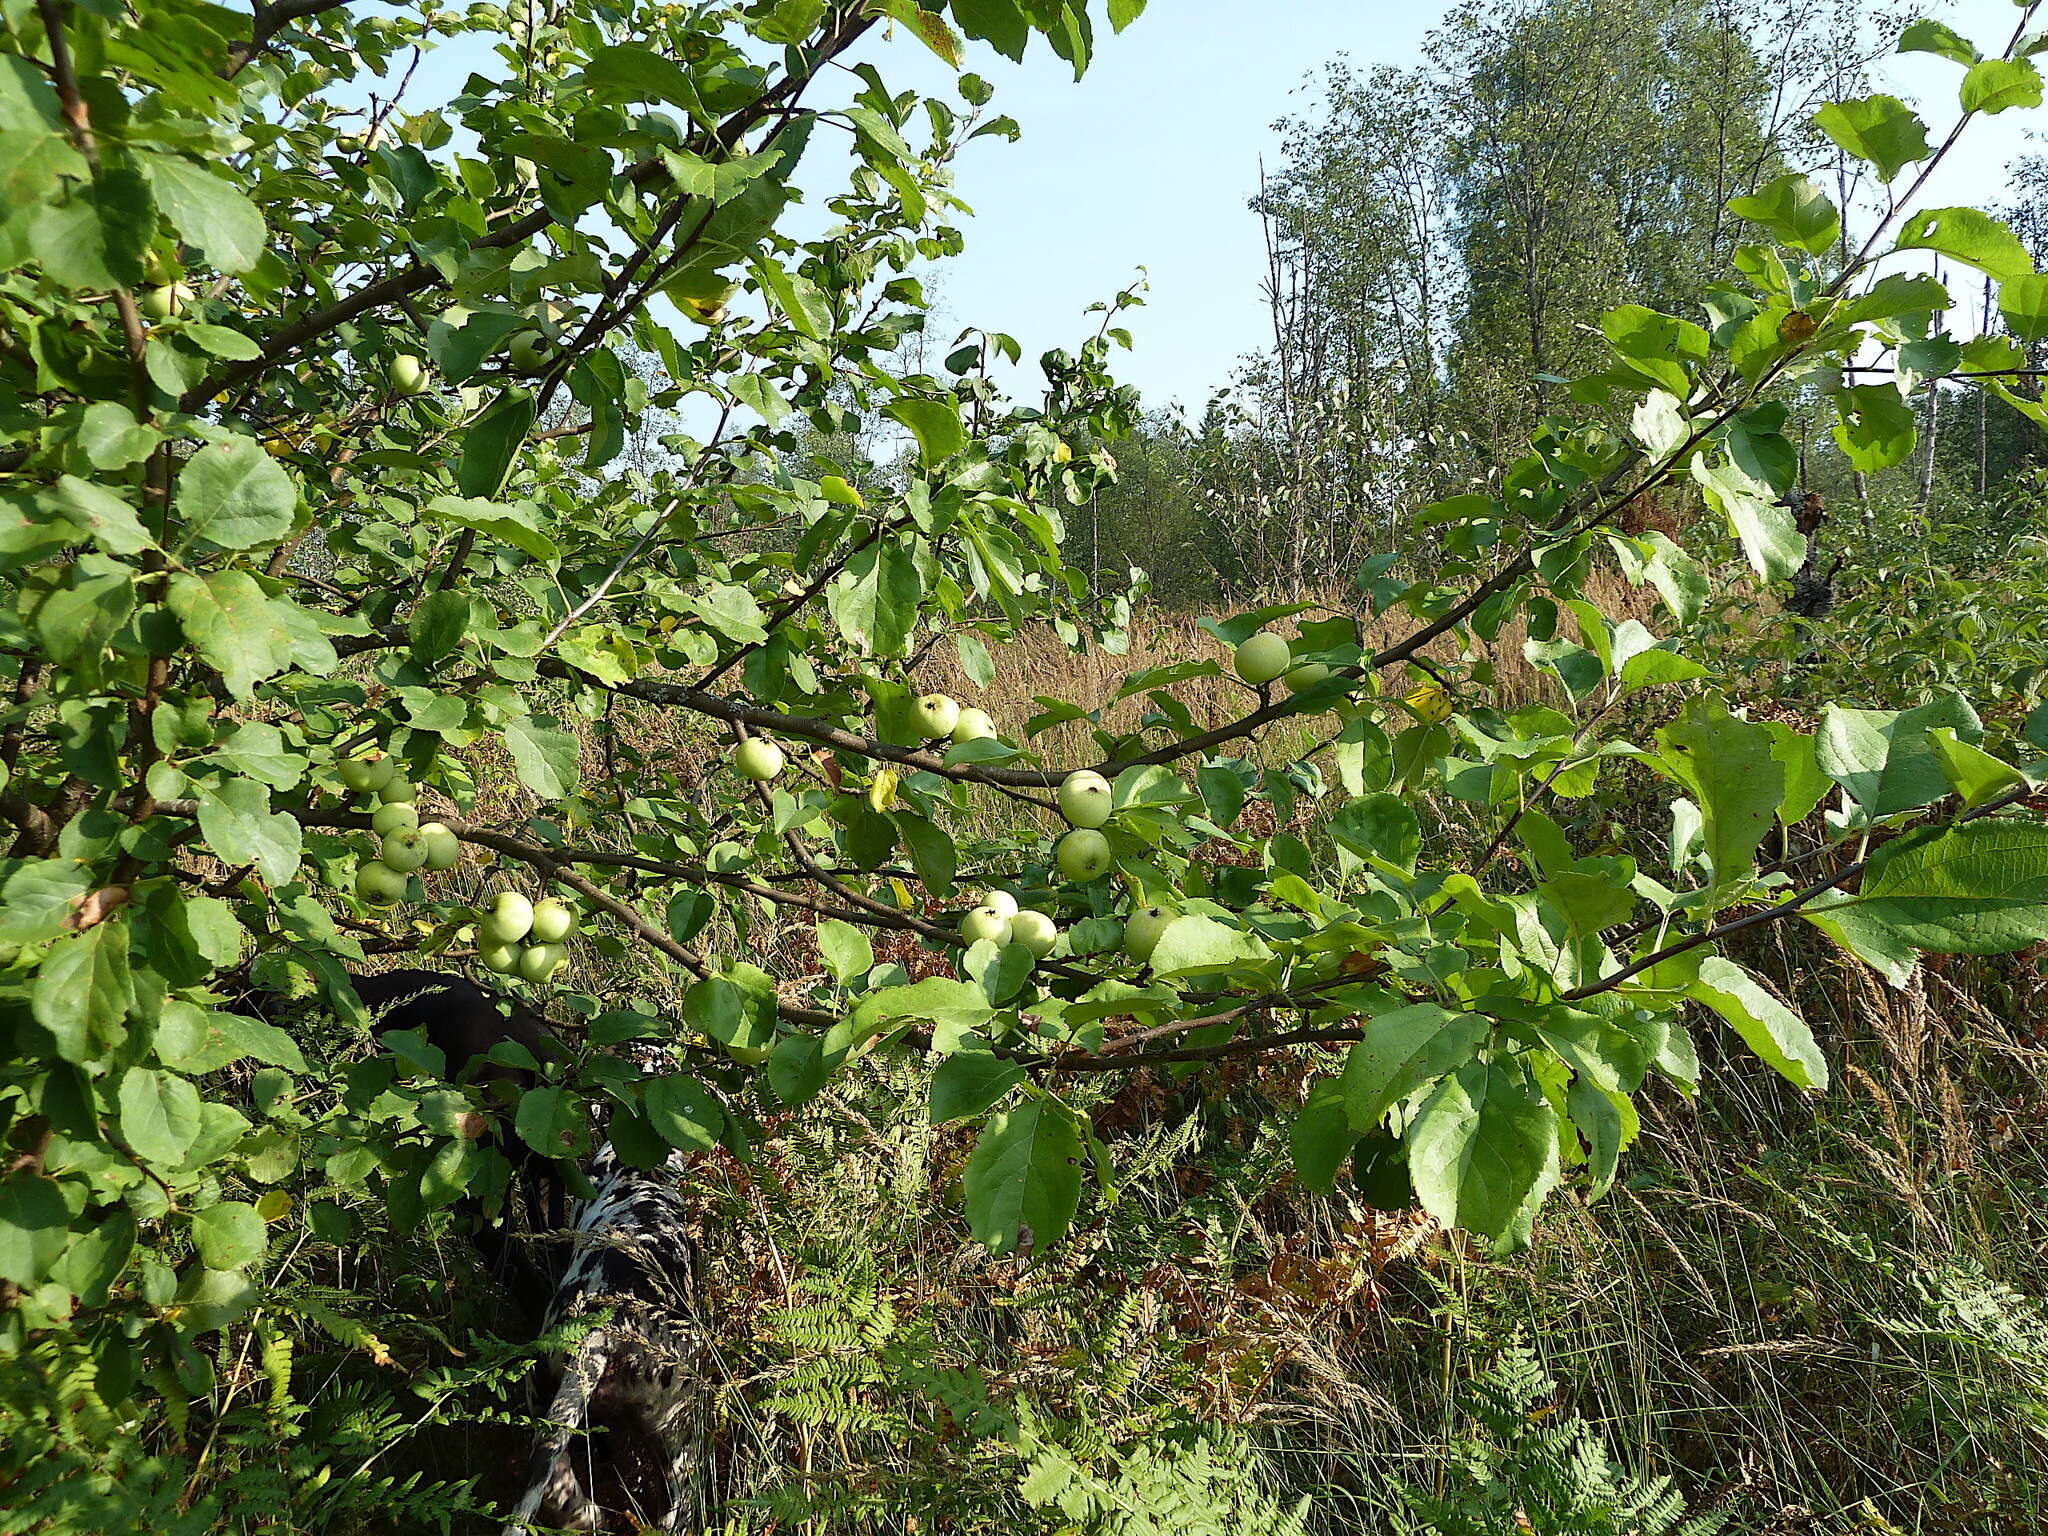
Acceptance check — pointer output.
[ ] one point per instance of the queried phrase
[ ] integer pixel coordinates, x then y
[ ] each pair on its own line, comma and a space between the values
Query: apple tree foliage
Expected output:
315, 409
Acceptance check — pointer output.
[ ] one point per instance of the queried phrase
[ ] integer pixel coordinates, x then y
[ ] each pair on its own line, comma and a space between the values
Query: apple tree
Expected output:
386, 485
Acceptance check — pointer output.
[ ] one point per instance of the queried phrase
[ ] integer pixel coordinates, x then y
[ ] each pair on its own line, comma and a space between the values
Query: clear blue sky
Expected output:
1150, 160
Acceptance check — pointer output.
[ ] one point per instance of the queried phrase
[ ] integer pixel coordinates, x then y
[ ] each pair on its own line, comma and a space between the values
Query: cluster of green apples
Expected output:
997, 918
938, 718
513, 920
404, 843
1264, 656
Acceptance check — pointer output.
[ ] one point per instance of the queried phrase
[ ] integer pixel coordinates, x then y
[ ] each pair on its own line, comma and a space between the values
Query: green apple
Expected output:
1035, 931
1083, 855
444, 848
1084, 798
166, 300
407, 374
379, 884
540, 961
1305, 676
974, 725
985, 923
1263, 657
404, 850
527, 352
509, 920
1001, 901
502, 958
399, 816
399, 791
936, 715
367, 775
552, 921
758, 758
1141, 933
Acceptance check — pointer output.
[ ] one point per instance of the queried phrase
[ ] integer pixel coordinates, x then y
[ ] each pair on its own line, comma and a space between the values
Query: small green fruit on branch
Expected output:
1085, 798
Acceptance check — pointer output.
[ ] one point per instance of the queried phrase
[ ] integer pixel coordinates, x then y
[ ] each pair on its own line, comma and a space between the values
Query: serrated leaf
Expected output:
1023, 1183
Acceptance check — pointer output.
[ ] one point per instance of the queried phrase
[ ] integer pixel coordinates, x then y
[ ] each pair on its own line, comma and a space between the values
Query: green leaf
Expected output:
438, 625
1381, 826
33, 1217
1402, 1050
934, 423
112, 438
84, 991
736, 1009
1795, 210
848, 953
39, 895
508, 522
1023, 1183
1662, 348
1777, 1034
160, 1115
2023, 303
544, 757
1977, 889
1321, 1136
110, 521
1972, 772
1925, 36
1731, 767
1880, 129
970, 1080
95, 1259
550, 1120
1483, 1152
687, 1115
874, 601
1607, 1123
207, 212
1201, 946
1875, 426
1772, 541
799, 1066
230, 1235
1970, 236
238, 824
490, 447
1994, 85
235, 495
1886, 759
233, 626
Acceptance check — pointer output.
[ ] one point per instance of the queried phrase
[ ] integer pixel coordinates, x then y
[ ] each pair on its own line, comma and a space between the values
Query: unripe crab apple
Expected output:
508, 921
1083, 855
936, 715
408, 375
444, 848
399, 816
1000, 901
1263, 657
974, 725
758, 758
985, 923
502, 958
1035, 931
1084, 798
1305, 676
552, 922
368, 774
540, 961
527, 352
398, 791
404, 850
162, 302
379, 884
1141, 933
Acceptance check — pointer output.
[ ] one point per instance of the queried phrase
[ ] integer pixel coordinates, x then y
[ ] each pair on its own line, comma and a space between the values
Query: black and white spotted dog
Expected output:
638, 1375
